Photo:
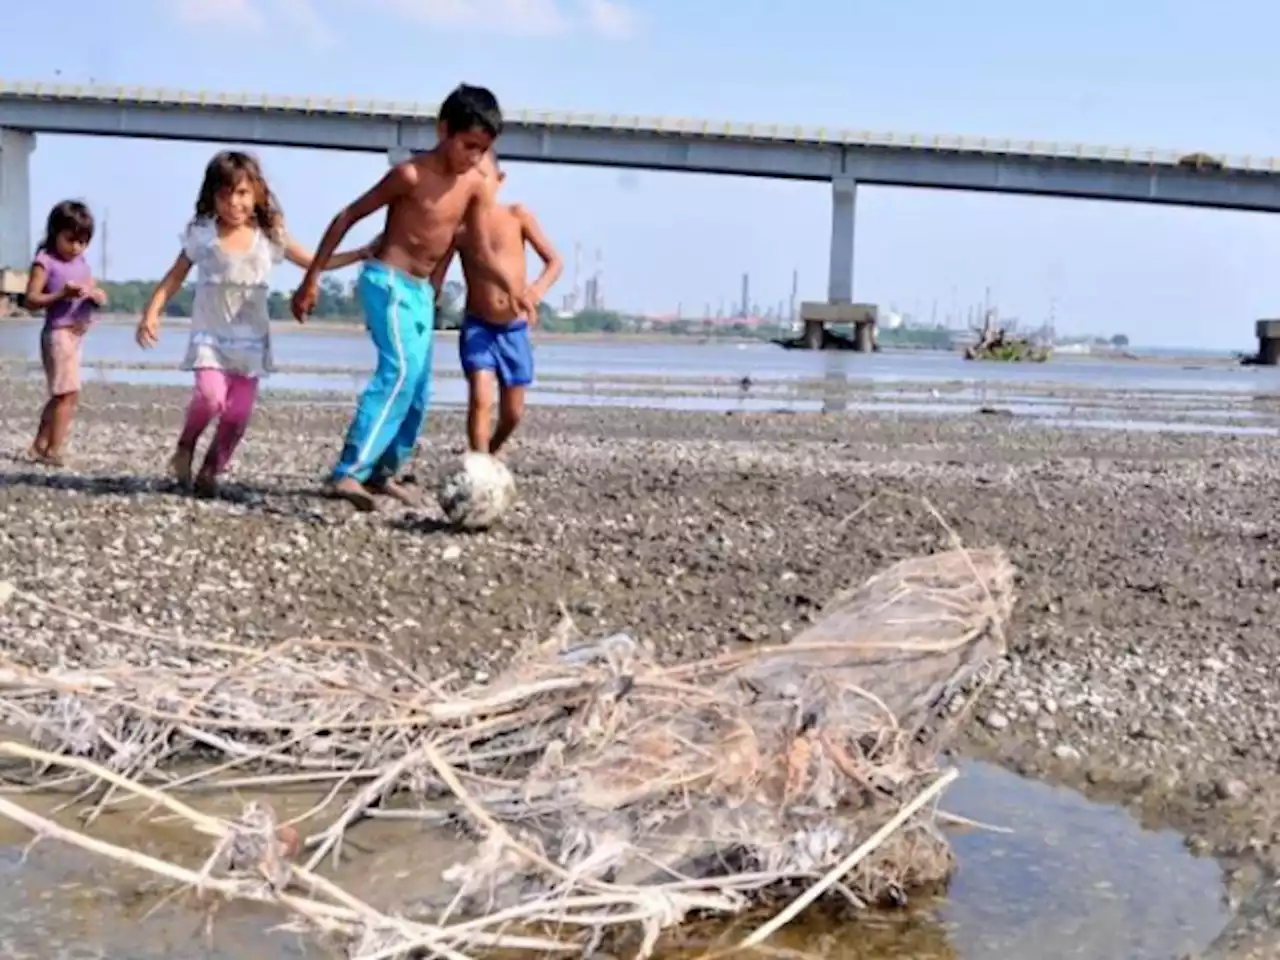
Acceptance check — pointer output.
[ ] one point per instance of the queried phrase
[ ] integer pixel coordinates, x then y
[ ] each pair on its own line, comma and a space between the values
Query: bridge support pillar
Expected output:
1268, 343
15, 198
843, 206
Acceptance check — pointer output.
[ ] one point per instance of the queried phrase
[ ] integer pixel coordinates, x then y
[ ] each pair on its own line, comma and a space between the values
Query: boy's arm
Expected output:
552, 265
400, 179
300, 256
442, 267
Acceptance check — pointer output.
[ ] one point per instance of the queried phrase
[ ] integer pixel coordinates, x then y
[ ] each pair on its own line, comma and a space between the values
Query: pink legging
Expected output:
227, 397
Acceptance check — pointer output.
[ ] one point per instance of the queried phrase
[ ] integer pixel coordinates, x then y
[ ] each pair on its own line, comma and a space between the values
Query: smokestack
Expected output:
599, 277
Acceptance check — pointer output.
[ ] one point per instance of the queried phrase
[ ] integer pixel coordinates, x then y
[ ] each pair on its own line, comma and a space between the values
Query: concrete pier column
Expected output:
15, 198
840, 279
1268, 343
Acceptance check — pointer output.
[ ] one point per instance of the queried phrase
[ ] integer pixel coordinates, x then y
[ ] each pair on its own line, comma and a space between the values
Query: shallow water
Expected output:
1074, 881
690, 358
707, 377
1164, 412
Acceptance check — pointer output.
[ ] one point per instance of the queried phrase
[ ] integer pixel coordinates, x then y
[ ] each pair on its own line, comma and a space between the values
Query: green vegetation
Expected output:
996, 343
131, 296
337, 300
917, 338
337, 303
1014, 351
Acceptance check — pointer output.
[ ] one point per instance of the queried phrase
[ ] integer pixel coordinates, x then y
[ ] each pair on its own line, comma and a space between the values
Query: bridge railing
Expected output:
672, 126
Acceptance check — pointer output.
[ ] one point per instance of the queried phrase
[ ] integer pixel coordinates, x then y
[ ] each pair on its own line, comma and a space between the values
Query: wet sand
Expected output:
1145, 659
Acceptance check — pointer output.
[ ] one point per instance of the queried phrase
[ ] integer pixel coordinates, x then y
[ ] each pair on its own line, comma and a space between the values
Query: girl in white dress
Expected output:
235, 239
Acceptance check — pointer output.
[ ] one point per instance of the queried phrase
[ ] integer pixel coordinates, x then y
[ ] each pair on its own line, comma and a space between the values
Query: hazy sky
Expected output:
1164, 73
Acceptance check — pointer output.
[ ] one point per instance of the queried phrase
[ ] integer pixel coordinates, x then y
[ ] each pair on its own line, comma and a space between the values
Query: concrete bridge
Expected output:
843, 158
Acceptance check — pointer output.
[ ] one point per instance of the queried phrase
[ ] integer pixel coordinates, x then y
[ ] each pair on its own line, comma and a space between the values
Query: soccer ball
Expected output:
478, 493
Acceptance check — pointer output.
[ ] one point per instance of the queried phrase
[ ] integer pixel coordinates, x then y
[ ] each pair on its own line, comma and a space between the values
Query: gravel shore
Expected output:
1146, 652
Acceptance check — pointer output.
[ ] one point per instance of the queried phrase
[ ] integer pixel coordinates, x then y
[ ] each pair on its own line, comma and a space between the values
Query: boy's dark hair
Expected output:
223, 173
471, 108
72, 217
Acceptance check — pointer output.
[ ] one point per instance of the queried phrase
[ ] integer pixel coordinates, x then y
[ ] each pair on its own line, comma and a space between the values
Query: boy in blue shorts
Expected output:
426, 200
494, 340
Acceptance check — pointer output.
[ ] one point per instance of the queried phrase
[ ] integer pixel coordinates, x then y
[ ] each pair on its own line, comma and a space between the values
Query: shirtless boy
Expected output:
494, 341
427, 199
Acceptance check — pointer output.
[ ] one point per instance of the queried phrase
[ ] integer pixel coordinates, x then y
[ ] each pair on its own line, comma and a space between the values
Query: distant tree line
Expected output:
337, 302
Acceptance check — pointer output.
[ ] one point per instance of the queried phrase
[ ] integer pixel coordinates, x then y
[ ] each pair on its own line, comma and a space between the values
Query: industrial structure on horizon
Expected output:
589, 296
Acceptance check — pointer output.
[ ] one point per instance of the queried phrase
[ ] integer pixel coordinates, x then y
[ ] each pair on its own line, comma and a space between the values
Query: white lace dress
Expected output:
230, 326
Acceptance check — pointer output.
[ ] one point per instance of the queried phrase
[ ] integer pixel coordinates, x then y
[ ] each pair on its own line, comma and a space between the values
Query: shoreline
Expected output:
352, 328
1143, 656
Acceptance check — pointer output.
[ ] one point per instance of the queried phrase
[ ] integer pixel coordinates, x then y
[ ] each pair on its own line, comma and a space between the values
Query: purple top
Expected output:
65, 313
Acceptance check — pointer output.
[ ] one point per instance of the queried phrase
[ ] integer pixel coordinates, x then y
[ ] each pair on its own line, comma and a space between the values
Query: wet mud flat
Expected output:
1145, 661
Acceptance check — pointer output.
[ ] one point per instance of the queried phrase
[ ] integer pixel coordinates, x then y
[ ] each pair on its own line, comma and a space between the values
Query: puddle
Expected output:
1074, 881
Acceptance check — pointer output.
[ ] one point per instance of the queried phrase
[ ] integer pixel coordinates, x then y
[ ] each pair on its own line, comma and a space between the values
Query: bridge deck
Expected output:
756, 150
678, 127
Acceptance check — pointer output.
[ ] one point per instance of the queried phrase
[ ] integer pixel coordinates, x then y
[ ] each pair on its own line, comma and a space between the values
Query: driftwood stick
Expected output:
793, 909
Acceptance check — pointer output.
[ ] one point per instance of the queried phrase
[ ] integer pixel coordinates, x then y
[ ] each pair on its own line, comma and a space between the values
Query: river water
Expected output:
1197, 394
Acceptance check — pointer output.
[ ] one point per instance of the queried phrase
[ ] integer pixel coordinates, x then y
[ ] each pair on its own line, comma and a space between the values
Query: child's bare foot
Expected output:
354, 492
206, 485
396, 491
46, 457
180, 466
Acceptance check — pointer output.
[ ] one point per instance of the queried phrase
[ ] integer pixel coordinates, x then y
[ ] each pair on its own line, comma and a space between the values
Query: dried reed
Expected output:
608, 792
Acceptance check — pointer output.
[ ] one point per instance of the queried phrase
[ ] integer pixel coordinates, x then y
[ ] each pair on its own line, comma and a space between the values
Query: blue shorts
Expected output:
503, 348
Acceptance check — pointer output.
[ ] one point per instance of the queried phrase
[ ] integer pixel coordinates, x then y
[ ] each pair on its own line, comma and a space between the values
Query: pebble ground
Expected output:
1145, 660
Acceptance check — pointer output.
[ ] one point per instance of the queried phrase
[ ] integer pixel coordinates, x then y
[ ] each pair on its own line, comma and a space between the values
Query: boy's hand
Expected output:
304, 301
71, 290
148, 332
98, 296
528, 304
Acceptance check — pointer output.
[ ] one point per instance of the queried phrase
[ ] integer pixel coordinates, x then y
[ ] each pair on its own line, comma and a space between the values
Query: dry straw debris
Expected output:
608, 793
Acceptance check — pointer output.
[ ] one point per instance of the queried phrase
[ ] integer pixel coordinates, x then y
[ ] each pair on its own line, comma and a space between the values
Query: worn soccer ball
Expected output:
478, 493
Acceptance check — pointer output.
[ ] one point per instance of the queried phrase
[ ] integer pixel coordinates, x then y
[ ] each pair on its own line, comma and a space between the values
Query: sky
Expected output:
1143, 73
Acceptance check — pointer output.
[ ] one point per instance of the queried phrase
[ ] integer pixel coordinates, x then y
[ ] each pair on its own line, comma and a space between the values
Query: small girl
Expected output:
236, 236
61, 284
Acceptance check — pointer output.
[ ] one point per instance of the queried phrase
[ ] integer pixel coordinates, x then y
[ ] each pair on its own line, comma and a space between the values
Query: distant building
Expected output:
591, 298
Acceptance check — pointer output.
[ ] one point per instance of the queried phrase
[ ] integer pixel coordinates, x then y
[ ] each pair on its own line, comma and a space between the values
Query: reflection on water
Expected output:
1074, 880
